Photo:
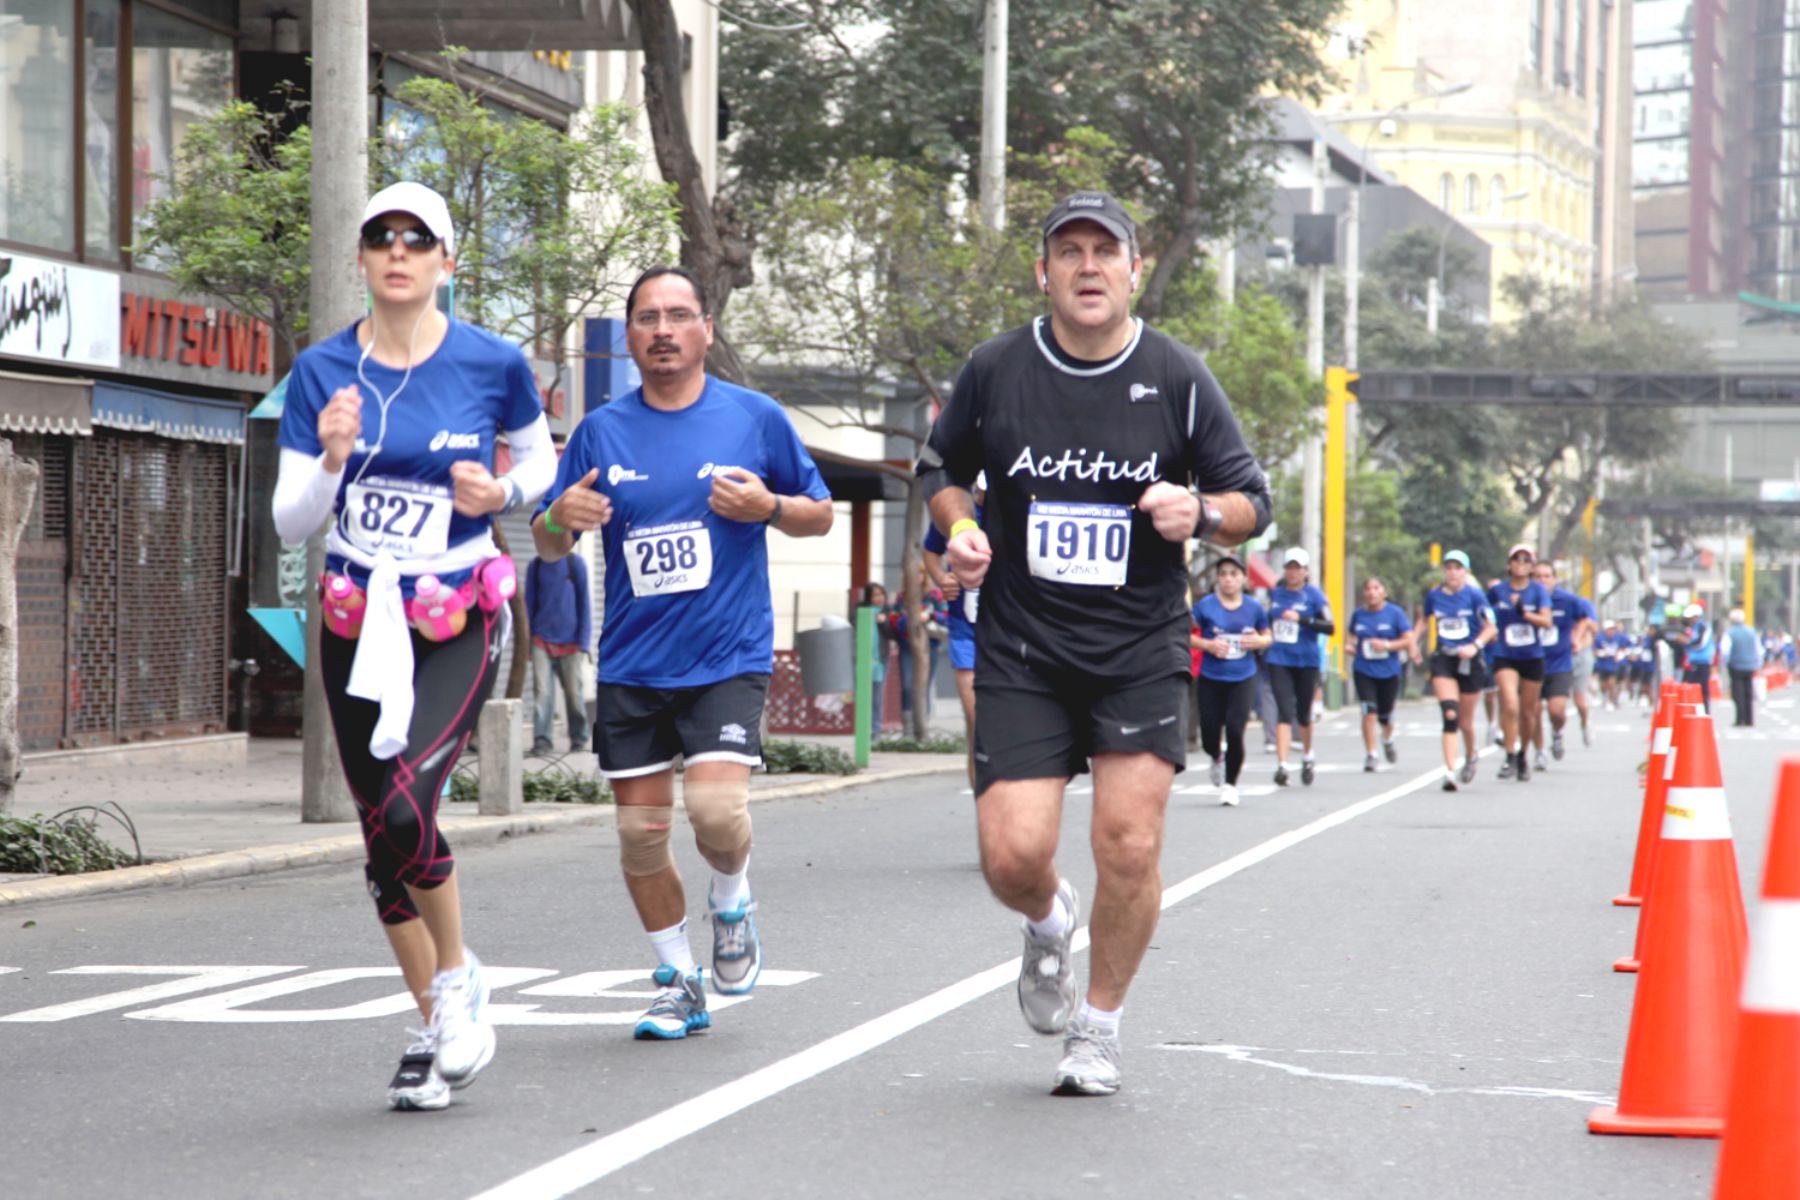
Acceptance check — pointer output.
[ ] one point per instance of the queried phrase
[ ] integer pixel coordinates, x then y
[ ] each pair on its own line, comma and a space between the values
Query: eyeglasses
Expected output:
380, 237
680, 318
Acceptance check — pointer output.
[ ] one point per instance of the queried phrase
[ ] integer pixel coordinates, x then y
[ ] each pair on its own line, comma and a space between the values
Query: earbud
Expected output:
1043, 282
1134, 277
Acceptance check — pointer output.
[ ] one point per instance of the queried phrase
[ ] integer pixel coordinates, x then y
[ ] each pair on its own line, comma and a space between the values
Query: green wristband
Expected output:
551, 526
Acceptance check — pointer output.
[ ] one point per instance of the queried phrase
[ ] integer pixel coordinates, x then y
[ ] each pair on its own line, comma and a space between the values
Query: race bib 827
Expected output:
1079, 543
404, 517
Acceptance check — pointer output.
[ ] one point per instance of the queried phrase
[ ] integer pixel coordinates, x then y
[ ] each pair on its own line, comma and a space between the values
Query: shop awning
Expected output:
186, 418
46, 404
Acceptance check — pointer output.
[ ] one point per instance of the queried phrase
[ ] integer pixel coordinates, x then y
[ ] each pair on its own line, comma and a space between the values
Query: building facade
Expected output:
1510, 115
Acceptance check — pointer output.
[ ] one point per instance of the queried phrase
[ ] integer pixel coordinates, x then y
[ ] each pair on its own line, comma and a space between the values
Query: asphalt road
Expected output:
1365, 988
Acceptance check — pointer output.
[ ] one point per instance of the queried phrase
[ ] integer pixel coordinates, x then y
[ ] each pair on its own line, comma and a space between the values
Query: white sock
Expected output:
1054, 925
1306, 756
672, 949
728, 890
1099, 1018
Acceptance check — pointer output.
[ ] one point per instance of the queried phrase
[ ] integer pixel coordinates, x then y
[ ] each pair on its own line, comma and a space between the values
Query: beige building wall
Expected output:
1533, 154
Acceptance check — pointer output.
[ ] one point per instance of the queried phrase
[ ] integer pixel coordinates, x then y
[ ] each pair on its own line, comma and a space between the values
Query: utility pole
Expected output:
1313, 454
993, 117
1725, 542
340, 188
1352, 271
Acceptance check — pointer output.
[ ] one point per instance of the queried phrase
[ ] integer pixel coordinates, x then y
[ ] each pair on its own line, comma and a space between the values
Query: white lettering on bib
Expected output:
1086, 544
972, 604
404, 517
1550, 636
1286, 632
1521, 634
1453, 629
1370, 652
671, 558
1234, 645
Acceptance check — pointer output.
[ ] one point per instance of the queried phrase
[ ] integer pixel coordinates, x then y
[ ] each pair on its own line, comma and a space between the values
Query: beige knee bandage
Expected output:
720, 814
644, 838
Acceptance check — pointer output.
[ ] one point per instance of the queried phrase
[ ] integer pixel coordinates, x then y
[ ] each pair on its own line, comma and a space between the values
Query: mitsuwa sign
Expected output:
85, 317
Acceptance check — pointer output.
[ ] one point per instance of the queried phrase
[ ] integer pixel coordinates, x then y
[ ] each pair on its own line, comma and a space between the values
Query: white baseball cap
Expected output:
1297, 554
1693, 610
415, 200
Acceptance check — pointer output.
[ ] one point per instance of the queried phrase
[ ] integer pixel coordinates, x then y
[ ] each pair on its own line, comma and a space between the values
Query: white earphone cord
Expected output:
412, 344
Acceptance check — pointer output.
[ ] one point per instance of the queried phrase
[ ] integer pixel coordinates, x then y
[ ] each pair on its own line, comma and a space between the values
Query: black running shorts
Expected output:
1531, 669
1295, 689
1559, 683
640, 730
1041, 723
1449, 666
1377, 695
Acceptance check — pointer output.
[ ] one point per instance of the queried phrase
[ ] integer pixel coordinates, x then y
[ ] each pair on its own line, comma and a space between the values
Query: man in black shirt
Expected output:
1107, 446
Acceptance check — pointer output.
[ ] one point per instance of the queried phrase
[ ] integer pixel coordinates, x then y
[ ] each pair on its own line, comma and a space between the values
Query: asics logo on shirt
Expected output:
616, 475
445, 440
1141, 391
1074, 463
712, 469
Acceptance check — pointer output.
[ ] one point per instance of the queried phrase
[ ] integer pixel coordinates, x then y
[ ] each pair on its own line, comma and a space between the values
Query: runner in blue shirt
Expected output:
683, 478
1298, 614
1521, 608
1701, 647
1461, 624
1572, 625
389, 433
1379, 635
1613, 654
1233, 627
964, 611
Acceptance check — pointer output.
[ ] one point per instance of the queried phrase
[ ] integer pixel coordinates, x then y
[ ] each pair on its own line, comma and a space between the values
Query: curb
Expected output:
472, 831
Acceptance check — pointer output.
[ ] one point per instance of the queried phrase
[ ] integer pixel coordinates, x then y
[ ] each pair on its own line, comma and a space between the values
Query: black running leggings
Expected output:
1224, 707
396, 798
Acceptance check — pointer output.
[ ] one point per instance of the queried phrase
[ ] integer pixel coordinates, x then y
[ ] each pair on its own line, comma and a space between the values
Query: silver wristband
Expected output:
1211, 517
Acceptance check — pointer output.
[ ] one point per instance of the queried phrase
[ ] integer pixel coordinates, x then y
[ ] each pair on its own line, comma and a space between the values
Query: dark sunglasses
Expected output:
376, 236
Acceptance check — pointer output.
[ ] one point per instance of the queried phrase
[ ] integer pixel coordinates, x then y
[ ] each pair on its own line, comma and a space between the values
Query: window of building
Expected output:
1471, 193
1654, 21
1663, 68
100, 140
1559, 43
37, 123
1659, 162
180, 75
1497, 196
1446, 191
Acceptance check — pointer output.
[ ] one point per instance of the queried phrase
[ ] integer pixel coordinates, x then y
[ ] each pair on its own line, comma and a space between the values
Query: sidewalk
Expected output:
200, 822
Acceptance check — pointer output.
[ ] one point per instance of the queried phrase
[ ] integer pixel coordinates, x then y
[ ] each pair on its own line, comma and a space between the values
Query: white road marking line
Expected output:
598, 1159
194, 979
1247, 1054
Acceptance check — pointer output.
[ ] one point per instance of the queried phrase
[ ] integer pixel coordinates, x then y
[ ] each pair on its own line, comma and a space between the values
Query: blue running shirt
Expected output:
1295, 645
1384, 624
1215, 621
962, 623
1517, 637
1458, 616
687, 591
1567, 610
450, 409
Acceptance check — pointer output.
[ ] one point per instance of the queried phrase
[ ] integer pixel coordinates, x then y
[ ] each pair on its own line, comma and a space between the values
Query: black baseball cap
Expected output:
1232, 558
1100, 208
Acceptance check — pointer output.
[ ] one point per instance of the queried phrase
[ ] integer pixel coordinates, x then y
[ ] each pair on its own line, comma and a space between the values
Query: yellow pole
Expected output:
1750, 580
1337, 429
1587, 550
1437, 554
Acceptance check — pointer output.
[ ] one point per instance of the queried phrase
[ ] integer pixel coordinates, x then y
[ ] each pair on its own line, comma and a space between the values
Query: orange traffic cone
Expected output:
1650, 823
1682, 1020
1686, 696
1760, 1159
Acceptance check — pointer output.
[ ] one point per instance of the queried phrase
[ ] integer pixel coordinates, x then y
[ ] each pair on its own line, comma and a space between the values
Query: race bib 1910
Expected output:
1521, 634
1079, 543
404, 517
667, 559
1453, 629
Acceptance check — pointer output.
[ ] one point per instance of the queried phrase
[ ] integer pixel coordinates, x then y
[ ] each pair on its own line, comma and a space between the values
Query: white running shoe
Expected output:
465, 1037
1046, 974
1090, 1062
417, 1086
1228, 795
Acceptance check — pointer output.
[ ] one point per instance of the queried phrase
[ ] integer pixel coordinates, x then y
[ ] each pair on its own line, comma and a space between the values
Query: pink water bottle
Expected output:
437, 612
344, 604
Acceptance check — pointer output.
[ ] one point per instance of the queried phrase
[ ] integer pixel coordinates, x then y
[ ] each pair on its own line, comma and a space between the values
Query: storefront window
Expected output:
101, 146
37, 113
181, 74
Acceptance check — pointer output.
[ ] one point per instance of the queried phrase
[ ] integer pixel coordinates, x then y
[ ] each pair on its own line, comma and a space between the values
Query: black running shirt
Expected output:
1081, 581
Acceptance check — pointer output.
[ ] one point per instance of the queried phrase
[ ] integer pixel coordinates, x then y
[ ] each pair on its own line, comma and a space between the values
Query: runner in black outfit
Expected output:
1099, 437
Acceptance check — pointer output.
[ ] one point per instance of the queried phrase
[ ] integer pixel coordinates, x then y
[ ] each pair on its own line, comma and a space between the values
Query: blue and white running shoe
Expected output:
737, 951
678, 1010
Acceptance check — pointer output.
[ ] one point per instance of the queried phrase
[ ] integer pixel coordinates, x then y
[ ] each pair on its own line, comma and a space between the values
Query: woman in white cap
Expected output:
1461, 624
389, 433
1699, 648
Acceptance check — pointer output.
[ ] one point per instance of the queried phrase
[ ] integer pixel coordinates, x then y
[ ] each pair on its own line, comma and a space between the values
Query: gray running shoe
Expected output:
1046, 976
678, 1010
1090, 1062
1370, 762
417, 1086
1556, 749
737, 951
465, 1036
1467, 775
1392, 751
1542, 763
1218, 773
1506, 766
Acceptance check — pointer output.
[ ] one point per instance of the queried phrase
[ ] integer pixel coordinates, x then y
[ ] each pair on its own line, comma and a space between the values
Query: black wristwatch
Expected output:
1211, 517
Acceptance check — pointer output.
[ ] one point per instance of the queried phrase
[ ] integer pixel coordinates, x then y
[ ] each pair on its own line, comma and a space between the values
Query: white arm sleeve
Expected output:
534, 460
304, 494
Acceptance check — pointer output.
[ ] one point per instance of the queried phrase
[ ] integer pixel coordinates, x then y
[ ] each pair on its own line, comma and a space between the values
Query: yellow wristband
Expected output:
961, 525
